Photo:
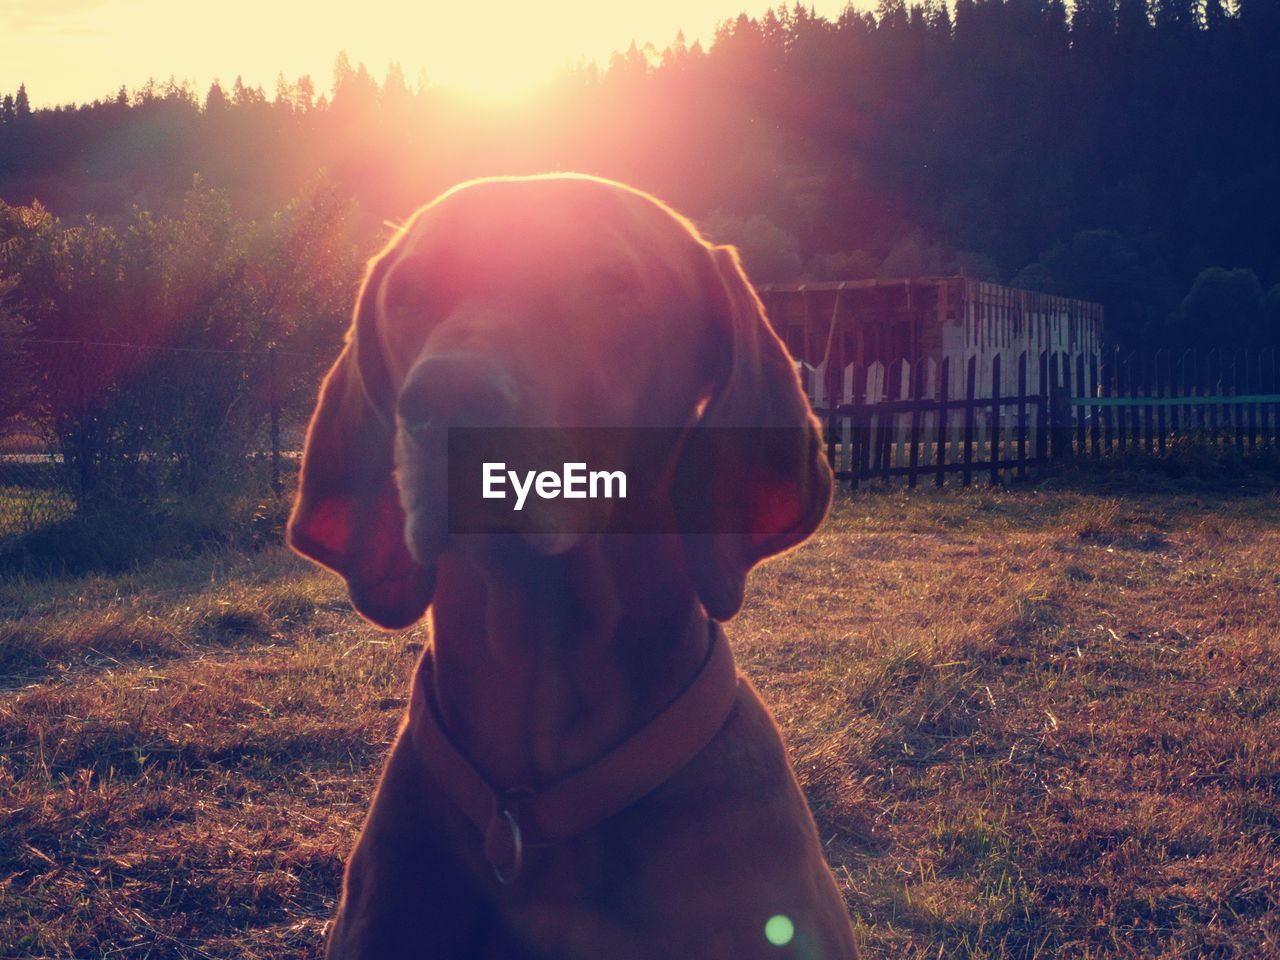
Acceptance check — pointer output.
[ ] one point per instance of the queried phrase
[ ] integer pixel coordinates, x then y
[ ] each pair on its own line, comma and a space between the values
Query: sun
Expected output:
500, 67
493, 50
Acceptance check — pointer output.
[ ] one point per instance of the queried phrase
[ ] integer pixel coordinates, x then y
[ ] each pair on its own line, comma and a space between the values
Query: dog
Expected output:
582, 772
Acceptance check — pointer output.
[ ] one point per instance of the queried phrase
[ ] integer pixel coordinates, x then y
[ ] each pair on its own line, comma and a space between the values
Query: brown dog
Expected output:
582, 773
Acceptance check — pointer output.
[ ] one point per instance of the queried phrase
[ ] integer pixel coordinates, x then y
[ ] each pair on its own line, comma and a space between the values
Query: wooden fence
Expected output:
925, 419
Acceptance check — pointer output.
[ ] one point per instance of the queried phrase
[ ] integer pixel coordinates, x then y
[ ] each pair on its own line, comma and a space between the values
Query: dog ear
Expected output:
753, 478
347, 515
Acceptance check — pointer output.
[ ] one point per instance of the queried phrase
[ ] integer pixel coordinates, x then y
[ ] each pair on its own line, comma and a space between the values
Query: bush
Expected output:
142, 351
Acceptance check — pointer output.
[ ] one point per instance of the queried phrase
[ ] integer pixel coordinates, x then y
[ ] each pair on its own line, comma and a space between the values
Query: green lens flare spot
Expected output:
779, 930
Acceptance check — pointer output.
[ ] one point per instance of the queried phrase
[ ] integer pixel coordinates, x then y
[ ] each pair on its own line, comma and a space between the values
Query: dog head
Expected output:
560, 302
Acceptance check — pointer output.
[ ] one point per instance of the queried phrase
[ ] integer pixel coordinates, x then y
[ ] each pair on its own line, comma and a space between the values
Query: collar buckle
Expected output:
504, 842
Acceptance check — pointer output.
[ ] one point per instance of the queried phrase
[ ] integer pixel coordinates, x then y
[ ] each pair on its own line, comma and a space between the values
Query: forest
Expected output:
1114, 150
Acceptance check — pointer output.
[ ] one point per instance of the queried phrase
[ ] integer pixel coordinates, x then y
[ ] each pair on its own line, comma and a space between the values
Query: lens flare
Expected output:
779, 930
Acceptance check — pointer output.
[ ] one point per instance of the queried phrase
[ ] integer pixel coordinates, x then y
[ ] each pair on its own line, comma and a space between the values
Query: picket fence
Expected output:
975, 417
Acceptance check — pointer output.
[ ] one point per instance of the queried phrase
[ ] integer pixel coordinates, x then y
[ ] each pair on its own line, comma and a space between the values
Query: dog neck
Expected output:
542, 665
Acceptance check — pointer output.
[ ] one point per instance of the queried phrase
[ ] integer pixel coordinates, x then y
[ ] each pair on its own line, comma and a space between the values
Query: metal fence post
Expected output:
274, 395
1042, 411
995, 420
82, 426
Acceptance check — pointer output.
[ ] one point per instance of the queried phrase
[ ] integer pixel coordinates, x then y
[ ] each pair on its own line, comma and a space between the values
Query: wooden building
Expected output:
853, 324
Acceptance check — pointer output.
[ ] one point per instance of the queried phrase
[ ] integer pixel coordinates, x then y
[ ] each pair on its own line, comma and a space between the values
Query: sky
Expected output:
79, 50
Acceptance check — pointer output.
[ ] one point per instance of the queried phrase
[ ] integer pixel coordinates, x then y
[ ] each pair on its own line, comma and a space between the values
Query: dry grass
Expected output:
1040, 723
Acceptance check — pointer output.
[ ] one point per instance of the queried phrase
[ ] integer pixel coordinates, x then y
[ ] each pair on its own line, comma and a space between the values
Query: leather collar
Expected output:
513, 820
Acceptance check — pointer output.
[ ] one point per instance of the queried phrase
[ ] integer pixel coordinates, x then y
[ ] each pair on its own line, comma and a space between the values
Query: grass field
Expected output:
1033, 723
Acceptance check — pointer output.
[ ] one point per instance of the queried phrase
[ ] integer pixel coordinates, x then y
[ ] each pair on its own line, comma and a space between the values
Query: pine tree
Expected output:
891, 14
1056, 23
395, 90
1132, 20
917, 19
355, 92
306, 94
215, 101
1093, 22
964, 18
243, 96
628, 69
21, 104
285, 92
1176, 17
342, 72
676, 56
774, 30
939, 16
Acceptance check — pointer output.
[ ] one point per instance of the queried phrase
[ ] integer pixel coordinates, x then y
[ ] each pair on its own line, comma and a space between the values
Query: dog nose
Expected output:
456, 390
